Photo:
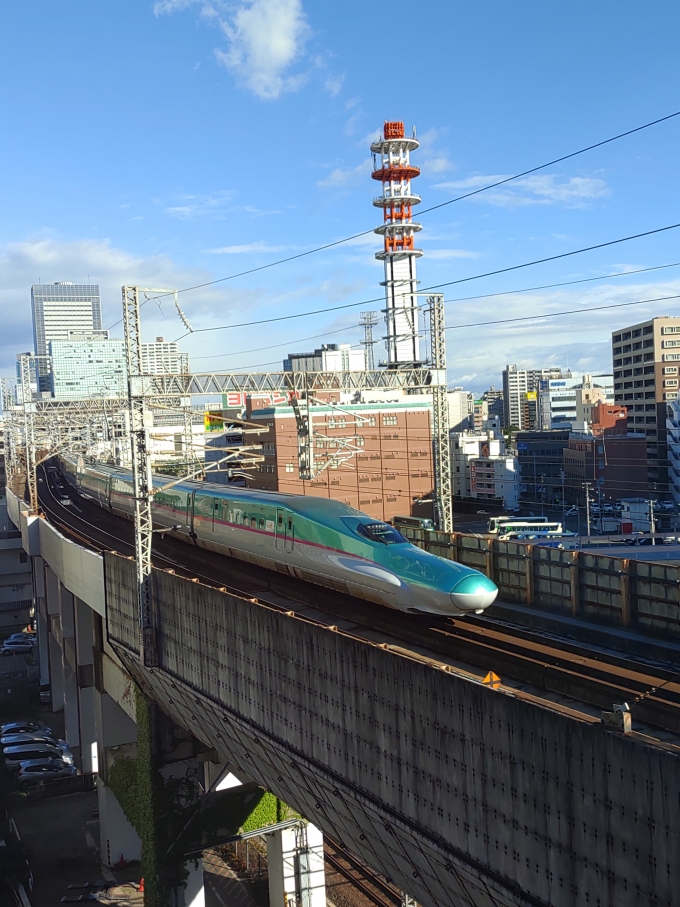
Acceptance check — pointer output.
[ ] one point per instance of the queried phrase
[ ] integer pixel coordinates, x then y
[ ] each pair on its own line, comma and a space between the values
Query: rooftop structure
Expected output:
393, 168
331, 357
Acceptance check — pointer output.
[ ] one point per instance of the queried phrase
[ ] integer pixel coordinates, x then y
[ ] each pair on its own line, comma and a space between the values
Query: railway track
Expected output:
582, 673
364, 879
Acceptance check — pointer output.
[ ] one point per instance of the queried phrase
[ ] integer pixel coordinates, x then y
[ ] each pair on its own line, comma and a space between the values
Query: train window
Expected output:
380, 532
261, 522
244, 519
280, 517
253, 522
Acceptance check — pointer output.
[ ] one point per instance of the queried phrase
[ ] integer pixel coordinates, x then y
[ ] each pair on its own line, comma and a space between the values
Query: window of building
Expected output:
359, 441
617, 351
637, 359
23, 557
638, 383
625, 335
389, 420
649, 329
670, 370
626, 348
637, 332
617, 338
627, 373
670, 329
670, 382
618, 362
671, 395
627, 360
649, 395
671, 357
649, 370
371, 420
618, 387
650, 406
627, 383
649, 357
637, 371
290, 467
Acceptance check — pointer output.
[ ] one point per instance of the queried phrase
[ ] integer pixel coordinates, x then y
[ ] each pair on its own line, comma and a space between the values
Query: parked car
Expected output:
23, 727
15, 755
573, 511
38, 771
30, 737
16, 648
22, 636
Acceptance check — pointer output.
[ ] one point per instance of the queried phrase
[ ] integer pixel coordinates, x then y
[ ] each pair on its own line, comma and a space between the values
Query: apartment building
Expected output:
646, 357
517, 384
568, 402
377, 456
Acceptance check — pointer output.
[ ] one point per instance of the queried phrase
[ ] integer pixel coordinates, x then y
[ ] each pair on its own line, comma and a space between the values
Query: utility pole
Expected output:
142, 483
369, 320
652, 524
599, 501
441, 442
586, 485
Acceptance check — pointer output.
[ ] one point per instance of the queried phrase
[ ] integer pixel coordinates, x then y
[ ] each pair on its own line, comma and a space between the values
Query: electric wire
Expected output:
443, 204
548, 286
351, 305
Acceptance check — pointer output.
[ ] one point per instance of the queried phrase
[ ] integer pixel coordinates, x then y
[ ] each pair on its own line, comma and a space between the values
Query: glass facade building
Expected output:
58, 308
88, 365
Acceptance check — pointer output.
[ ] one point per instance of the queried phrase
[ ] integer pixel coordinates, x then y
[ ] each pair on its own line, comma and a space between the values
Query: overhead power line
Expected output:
450, 201
439, 286
548, 286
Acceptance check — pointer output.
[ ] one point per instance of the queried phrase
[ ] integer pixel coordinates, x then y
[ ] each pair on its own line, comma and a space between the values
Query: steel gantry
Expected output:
441, 446
142, 482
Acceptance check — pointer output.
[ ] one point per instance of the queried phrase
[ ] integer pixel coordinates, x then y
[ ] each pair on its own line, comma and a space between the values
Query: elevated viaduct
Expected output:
460, 794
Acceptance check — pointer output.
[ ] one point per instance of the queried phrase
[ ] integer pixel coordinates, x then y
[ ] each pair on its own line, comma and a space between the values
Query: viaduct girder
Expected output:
461, 795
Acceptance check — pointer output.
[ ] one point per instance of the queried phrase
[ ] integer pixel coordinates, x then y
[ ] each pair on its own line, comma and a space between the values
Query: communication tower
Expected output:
368, 322
392, 167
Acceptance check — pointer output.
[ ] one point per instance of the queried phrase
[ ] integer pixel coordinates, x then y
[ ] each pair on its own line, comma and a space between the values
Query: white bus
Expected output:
497, 522
520, 529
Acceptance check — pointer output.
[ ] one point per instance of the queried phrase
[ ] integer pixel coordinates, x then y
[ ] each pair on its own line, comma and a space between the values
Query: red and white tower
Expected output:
392, 167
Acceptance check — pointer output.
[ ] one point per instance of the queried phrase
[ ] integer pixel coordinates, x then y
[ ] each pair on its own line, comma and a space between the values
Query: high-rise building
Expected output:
494, 399
163, 358
646, 358
517, 383
331, 357
87, 365
568, 402
57, 309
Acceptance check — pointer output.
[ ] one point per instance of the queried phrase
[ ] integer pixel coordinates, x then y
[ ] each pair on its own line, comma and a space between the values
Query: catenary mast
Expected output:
392, 167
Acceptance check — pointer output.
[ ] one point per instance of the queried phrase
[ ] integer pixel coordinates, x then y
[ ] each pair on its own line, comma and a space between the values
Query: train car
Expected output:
316, 539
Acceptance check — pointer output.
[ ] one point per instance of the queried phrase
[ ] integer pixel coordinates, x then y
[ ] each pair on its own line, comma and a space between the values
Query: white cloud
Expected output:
247, 249
450, 253
333, 85
265, 38
540, 189
433, 160
189, 207
340, 178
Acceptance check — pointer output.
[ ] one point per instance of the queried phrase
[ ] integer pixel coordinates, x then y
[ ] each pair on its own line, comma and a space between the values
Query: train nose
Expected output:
474, 593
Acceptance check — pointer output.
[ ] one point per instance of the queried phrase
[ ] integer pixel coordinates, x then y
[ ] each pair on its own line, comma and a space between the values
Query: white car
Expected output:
24, 727
573, 511
38, 771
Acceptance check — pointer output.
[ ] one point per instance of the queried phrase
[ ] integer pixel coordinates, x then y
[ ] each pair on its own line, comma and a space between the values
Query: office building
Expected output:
377, 456
496, 480
461, 409
87, 365
613, 463
567, 402
646, 358
673, 447
58, 308
466, 446
162, 358
540, 455
494, 400
517, 383
331, 357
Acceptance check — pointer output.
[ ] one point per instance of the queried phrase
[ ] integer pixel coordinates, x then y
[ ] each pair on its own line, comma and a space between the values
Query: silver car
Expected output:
15, 755
38, 771
24, 727
30, 737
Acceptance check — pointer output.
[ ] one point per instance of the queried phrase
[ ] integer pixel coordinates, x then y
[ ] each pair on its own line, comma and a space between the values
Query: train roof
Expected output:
305, 505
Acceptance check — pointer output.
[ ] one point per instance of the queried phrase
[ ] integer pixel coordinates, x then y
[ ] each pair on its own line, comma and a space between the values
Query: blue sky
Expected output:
172, 143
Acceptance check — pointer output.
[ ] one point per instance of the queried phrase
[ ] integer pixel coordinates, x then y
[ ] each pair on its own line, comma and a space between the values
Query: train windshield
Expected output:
380, 532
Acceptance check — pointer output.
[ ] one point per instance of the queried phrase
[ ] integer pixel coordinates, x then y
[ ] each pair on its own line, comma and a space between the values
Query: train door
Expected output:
215, 513
190, 512
290, 532
280, 530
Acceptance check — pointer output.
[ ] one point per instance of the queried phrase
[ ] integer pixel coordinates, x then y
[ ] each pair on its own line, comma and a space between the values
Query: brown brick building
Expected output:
379, 454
